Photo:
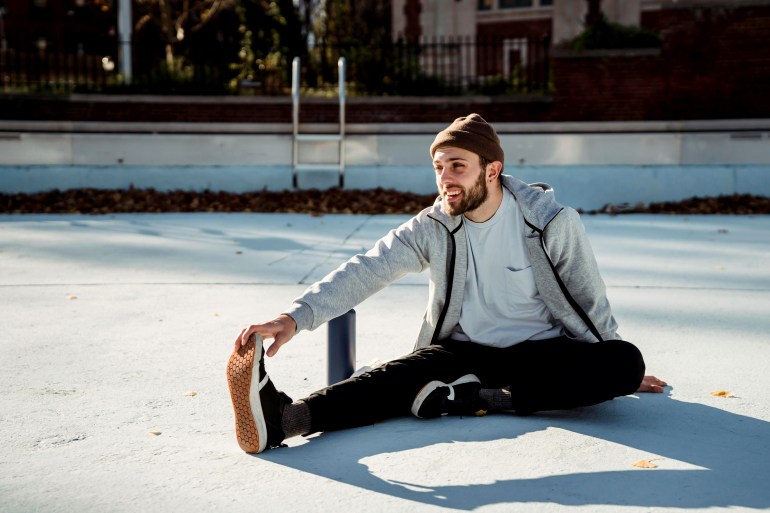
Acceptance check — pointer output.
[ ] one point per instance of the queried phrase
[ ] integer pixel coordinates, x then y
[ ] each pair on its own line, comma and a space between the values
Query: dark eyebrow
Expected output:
453, 159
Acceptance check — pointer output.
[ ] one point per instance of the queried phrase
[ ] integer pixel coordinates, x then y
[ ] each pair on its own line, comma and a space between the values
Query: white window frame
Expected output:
519, 44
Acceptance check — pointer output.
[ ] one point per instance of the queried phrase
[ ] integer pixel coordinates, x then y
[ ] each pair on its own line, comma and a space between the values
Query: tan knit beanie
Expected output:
471, 133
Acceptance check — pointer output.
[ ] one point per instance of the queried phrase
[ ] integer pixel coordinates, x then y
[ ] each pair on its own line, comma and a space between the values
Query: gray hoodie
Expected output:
563, 264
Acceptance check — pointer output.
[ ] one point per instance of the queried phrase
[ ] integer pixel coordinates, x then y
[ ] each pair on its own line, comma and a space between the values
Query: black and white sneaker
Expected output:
460, 397
258, 405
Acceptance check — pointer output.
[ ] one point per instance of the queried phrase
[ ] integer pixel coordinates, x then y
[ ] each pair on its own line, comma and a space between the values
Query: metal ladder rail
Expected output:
297, 137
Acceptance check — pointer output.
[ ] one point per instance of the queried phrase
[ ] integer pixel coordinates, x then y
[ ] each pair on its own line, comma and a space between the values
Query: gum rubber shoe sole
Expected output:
242, 376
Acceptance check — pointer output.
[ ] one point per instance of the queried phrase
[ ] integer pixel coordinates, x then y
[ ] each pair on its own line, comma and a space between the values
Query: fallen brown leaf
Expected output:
646, 463
722, 393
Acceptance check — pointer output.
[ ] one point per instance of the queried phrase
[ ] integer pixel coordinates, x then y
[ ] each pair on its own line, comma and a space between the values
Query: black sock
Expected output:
296, 419
497, 398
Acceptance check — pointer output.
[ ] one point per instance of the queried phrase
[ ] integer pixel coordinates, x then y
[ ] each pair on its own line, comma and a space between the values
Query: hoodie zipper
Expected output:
451, 279
574, 304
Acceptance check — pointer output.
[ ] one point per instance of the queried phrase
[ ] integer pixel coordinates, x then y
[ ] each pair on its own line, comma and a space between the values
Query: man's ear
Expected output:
493, 170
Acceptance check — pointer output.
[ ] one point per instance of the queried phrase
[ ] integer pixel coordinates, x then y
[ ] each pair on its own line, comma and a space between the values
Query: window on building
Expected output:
485, 5
509, 4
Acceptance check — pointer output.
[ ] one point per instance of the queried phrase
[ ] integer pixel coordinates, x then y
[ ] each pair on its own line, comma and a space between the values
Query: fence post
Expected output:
341, 347
125, 33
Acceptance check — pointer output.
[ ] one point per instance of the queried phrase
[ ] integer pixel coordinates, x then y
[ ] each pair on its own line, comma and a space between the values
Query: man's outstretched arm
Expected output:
281, 330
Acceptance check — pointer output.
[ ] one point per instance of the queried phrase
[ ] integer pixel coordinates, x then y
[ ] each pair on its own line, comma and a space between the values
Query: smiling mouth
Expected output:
453, 194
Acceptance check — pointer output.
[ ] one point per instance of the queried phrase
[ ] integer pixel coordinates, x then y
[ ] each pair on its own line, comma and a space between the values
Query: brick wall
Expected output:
717, 60
146, 109
533, 29
271, 110
609, 86
714, 64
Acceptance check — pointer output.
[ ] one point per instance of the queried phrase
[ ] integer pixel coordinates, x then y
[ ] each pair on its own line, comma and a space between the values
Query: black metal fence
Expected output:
35, 65
452, 65
29, 65
442, 66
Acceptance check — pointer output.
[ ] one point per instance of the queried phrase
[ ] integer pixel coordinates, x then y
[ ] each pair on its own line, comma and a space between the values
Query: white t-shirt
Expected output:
501, 305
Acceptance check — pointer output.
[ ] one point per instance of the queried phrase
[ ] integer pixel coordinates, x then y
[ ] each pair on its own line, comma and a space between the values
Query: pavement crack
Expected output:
355, 230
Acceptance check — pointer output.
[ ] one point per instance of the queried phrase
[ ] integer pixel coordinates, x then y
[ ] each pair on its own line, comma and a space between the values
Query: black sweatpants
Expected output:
551, 374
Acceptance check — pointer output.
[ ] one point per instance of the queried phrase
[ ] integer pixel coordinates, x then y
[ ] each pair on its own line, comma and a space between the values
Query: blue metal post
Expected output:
342, 347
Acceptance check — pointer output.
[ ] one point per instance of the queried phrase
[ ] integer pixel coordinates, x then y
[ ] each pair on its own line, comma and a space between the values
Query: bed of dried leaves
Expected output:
333, 201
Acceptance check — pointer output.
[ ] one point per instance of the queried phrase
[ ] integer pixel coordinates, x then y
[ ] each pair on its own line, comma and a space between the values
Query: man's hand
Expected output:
281, 330
652, 384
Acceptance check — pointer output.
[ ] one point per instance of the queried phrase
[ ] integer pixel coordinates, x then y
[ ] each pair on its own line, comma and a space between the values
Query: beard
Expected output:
473, 198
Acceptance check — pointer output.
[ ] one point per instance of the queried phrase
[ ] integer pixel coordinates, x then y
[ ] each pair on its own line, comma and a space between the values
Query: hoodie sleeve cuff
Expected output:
302, 315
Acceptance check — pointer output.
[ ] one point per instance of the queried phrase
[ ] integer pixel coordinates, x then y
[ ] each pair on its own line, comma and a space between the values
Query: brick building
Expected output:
556, 19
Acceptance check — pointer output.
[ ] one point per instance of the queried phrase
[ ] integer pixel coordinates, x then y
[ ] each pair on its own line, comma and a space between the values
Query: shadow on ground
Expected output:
726, 457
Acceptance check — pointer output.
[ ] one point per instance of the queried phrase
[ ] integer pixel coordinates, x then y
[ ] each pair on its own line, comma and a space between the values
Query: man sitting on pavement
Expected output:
517, 319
